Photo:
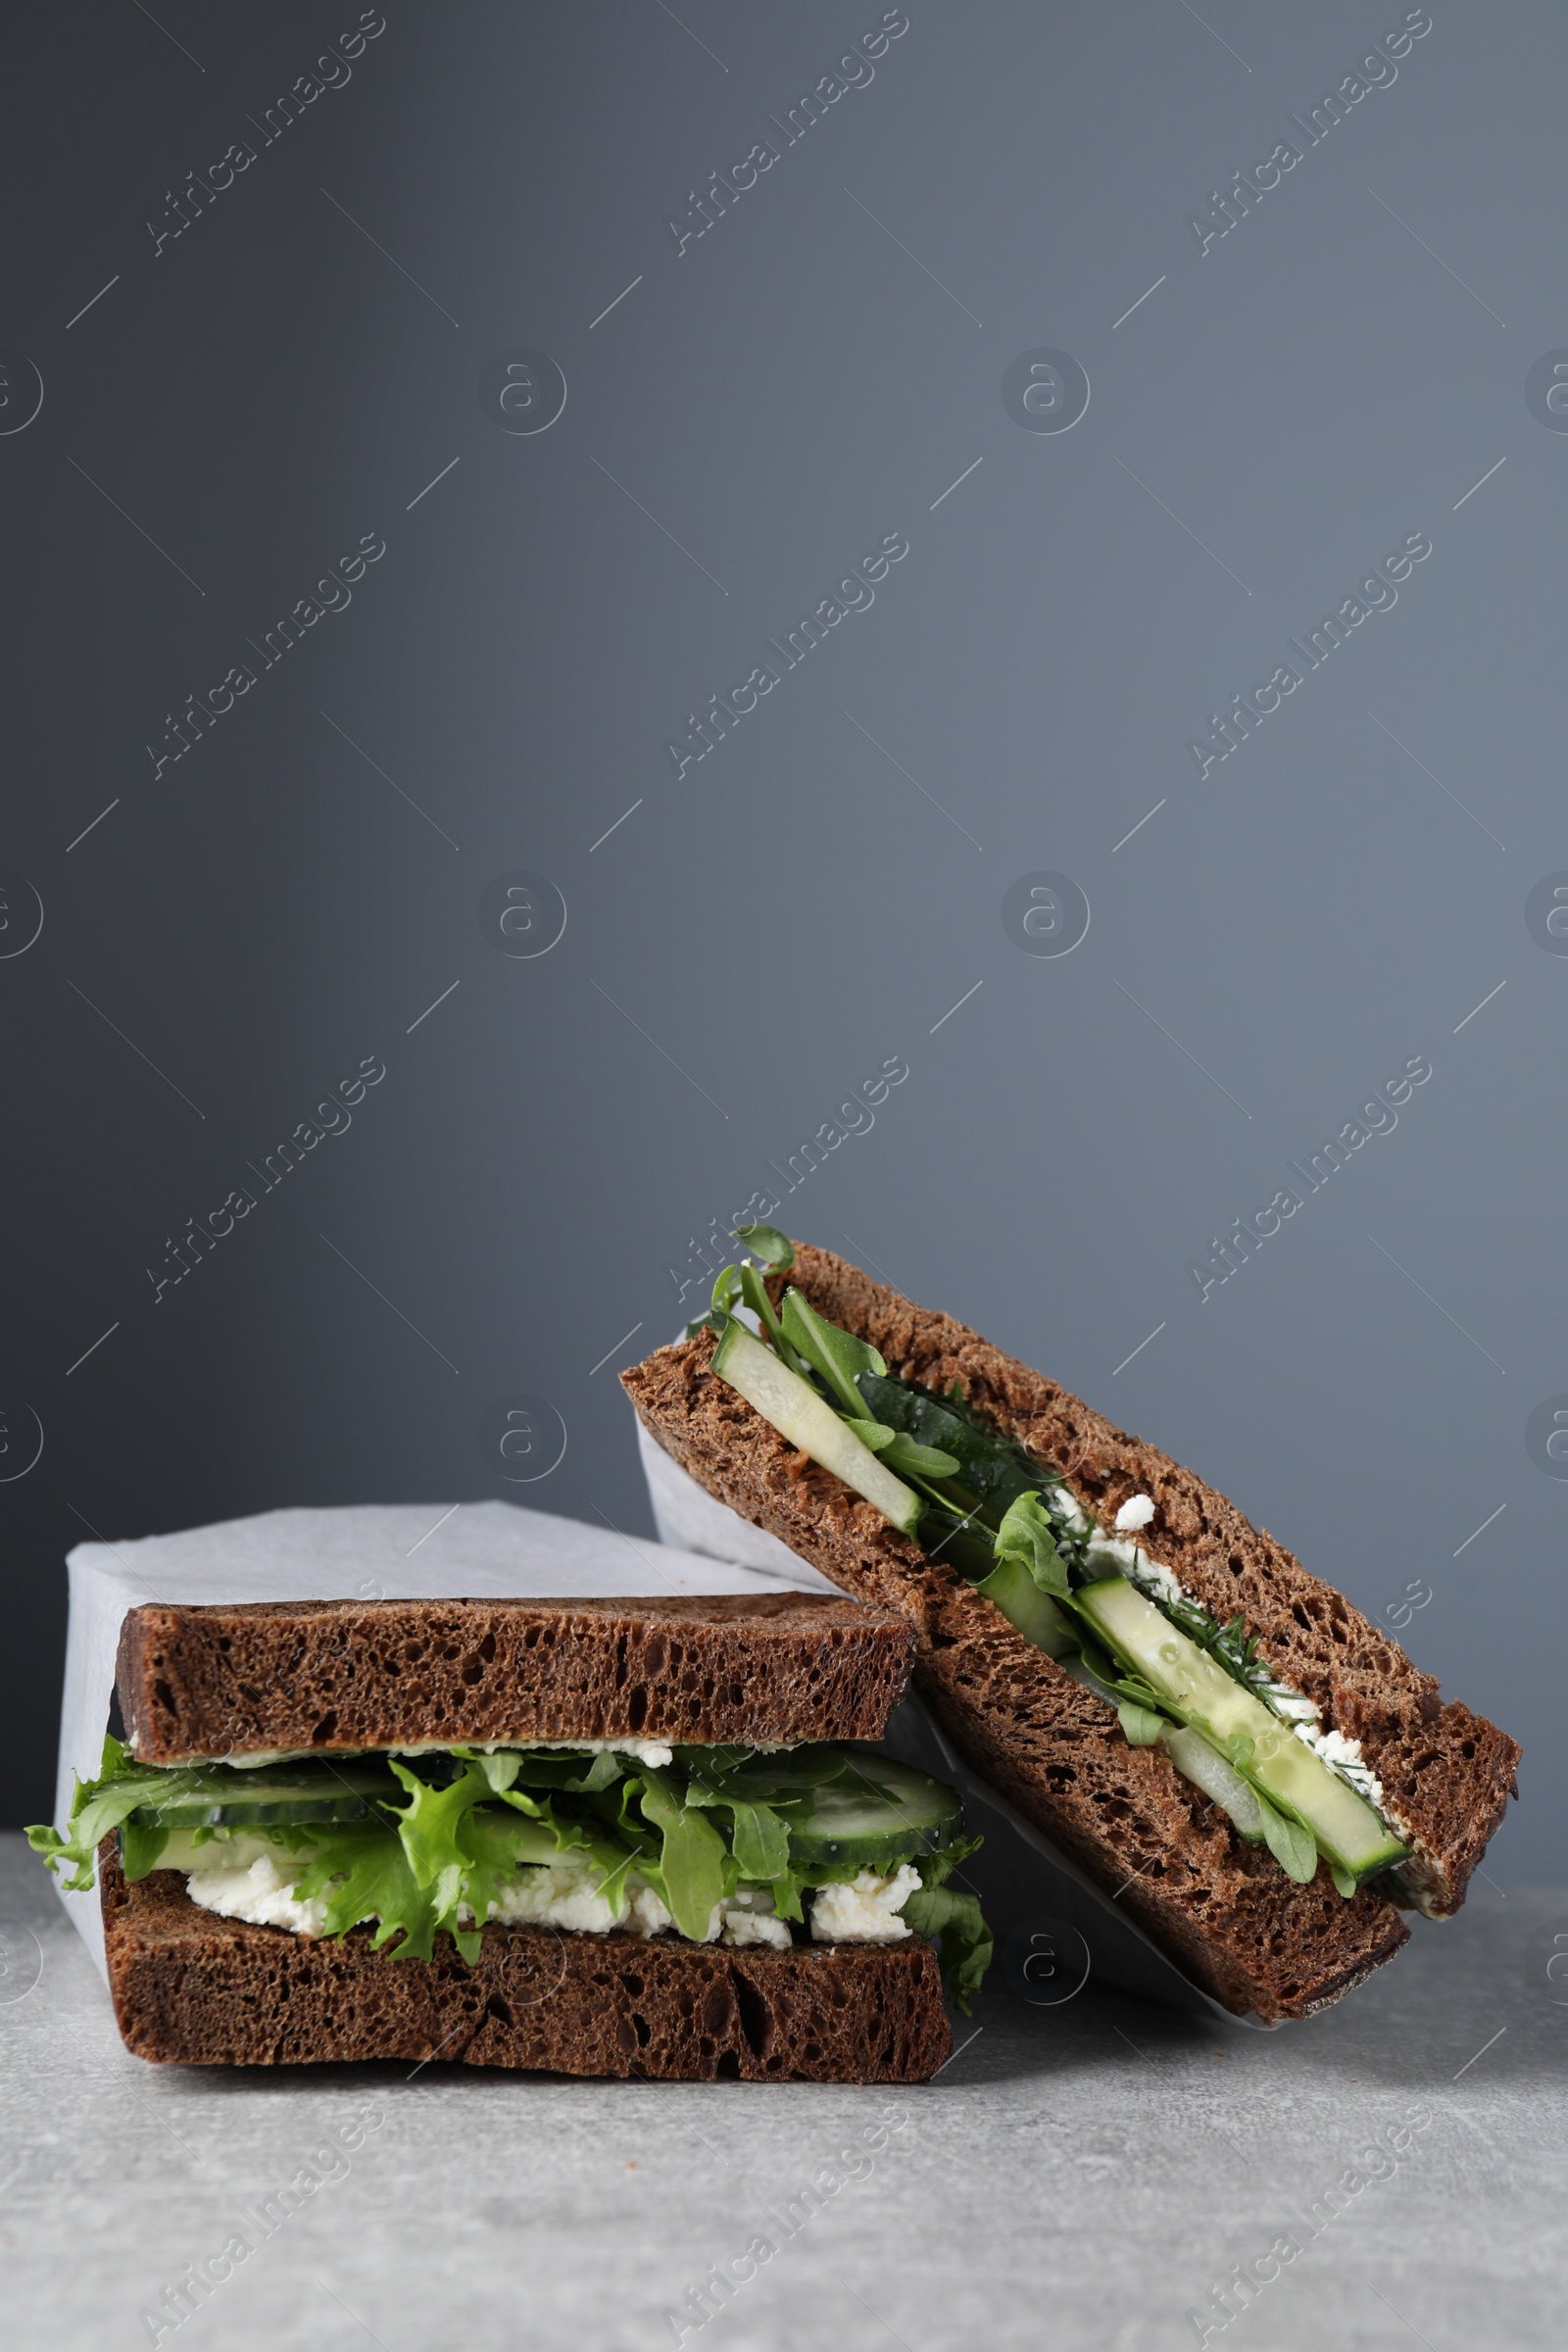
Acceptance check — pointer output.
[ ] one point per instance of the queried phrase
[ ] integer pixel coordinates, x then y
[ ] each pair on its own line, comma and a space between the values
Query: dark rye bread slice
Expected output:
1227, 1910
332, 1675
195, 1990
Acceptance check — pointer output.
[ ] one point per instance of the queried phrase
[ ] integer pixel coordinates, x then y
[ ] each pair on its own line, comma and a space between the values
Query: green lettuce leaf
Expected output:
98, 1806
903, 1452
759, 1838
953, 1922
494, 1839
911, 1459
363, 1871
837, 1355
768, 1246
1142, 1724
467, 1819
1289, 1841
139, 1849
695, 1869
614, 1854
1027, 1535
427, 1829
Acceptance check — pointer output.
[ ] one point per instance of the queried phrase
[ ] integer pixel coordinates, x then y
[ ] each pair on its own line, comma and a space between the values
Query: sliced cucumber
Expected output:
879, 1814
512, 1838
221, 1849
219, 1797
1197, 1760
799, 1413
1035, 1614
1262, 1748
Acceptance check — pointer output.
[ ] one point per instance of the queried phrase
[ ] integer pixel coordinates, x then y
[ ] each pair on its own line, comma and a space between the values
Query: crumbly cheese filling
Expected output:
653, 1752
863, 1909
564, 1894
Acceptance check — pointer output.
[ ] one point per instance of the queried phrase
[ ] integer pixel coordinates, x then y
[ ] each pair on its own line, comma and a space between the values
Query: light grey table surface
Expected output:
1081, 2176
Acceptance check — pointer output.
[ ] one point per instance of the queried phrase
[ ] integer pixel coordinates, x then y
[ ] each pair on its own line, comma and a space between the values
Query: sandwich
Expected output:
1247, 1765
601, 1837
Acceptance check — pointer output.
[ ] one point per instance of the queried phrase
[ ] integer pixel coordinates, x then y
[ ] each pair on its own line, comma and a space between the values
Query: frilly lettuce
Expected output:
692, 1830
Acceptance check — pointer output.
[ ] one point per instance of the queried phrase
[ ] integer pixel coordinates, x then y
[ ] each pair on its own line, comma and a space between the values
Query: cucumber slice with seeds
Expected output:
879, 1814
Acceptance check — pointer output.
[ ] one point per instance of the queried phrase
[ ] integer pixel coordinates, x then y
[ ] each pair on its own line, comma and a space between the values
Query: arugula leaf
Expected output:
956, 1925
574, 1775
1289, 1841
915, 1460
964, 1944
787, 1893
1012, 1589
782, 1779
936, 1869
994, 1469
905, 1455
760, 1841
953, 1922
693, 1863
837, 1355
500, 1769
1345, 1881
766, 1243
962, 1541
1098, 1661
759, 1838
1027, 1535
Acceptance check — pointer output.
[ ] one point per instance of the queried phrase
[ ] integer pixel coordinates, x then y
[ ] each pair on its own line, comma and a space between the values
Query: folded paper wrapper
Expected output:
497, 1551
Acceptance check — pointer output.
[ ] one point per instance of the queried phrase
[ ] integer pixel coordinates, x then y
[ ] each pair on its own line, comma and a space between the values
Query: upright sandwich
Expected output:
599, 1837
1255, 1772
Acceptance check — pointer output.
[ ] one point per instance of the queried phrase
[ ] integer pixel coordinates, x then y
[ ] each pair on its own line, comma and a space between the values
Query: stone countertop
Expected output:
1086, 2174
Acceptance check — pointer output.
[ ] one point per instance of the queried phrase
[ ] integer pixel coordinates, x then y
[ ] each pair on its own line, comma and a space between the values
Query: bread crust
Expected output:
222, 1680
191, 1989
1226, 1911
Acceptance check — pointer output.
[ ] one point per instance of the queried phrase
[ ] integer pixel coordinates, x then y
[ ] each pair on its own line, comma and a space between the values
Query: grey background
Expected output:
759, 934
